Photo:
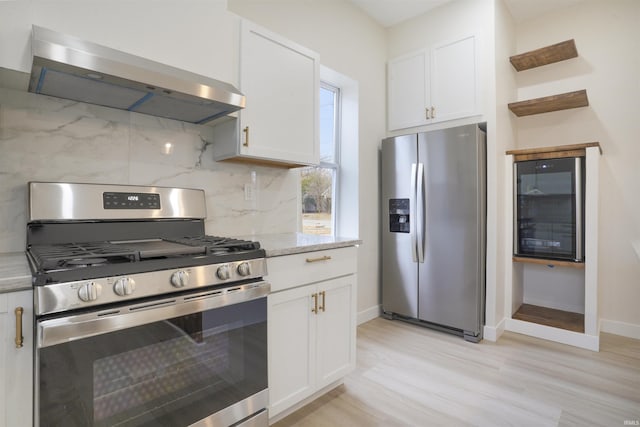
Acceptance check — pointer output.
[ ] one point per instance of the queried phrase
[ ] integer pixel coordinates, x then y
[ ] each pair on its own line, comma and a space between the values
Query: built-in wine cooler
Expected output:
549, 208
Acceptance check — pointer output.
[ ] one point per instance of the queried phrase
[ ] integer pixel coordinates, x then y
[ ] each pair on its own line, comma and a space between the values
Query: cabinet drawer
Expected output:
289, 271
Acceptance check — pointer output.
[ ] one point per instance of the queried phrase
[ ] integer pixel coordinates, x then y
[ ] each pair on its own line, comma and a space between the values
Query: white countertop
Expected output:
15, 274
293, 243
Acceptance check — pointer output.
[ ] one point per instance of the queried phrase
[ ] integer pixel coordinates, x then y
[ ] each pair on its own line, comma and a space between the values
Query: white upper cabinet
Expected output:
279, 124
408, 90
453, 79
433, 85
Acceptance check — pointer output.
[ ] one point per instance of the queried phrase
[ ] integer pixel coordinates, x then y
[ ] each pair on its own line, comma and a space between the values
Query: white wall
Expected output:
352, 44
607, 37
504, 87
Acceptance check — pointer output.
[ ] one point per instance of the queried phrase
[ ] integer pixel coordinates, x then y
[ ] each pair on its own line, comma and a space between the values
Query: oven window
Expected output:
169, 373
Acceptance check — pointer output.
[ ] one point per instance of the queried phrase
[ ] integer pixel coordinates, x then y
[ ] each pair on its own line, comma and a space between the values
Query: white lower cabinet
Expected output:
16, 359
312, 330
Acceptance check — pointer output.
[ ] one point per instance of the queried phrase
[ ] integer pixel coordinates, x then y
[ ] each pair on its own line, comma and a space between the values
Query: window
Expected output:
319, 183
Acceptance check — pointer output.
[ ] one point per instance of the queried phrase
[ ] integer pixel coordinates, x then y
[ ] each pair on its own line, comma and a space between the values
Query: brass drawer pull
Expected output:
323, 306
246, 136
322, 258
19, 338
315, 303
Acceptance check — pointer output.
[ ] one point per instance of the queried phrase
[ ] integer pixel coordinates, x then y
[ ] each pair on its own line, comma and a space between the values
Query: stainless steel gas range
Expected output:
141, 318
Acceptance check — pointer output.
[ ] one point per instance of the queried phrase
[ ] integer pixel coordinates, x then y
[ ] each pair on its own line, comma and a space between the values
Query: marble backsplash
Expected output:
49, 139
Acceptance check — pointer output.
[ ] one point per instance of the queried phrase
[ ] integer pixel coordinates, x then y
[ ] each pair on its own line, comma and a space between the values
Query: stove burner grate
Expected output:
69, 256
218, 245
73, 255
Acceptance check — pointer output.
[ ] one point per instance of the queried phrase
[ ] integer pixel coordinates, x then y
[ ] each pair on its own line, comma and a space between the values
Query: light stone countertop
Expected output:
15, 274
295, 243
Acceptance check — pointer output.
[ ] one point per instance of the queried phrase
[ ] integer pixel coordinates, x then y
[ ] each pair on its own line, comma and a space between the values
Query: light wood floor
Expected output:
407, 375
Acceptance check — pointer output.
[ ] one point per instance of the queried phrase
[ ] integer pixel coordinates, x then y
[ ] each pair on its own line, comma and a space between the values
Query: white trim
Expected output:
576, 339
369, 314
493, 333
347, 194
615, 327
592, 167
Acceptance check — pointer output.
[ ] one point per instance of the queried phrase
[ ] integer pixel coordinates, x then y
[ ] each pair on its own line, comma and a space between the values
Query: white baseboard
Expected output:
628, 330
369, 314
492, 333
563, 336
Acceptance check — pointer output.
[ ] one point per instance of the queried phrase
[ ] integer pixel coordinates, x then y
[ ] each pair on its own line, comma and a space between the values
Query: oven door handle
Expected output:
71, 328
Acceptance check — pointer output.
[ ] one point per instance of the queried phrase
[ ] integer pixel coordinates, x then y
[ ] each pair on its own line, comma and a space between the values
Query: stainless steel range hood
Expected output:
70, 68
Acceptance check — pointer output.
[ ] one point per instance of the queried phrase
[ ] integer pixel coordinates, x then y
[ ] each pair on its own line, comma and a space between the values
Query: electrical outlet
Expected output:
249, 192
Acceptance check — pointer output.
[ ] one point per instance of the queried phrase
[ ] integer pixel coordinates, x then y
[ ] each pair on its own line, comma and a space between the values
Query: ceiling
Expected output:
391, 12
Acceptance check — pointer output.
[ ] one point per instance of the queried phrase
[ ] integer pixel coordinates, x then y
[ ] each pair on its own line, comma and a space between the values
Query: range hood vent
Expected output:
70, 68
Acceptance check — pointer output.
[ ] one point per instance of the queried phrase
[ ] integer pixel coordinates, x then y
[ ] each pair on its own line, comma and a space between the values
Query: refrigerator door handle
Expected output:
412, 213
421, 198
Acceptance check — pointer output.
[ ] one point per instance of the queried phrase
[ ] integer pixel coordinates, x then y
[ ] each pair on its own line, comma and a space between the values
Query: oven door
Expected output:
199, 358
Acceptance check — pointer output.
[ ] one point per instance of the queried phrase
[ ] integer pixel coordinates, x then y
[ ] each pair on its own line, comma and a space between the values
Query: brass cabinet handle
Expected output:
19, 338
426, 110
322, 258
315, 303
323, 306
246, 136
433, 113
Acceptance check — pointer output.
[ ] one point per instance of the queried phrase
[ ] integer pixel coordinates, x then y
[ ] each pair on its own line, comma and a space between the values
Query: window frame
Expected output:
335, 165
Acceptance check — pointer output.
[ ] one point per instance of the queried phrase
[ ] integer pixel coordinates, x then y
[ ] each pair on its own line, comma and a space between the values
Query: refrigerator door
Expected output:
399, 270
451, 279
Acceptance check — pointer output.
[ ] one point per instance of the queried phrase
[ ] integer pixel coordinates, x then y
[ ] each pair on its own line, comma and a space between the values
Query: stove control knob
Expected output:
223, 272
124, 286
90, 291
244, 269
180, 279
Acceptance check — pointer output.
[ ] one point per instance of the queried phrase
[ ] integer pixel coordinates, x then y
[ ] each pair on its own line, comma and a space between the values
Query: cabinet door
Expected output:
453, 79
408, 90
16, 364
292, 346
336, 329
280, 80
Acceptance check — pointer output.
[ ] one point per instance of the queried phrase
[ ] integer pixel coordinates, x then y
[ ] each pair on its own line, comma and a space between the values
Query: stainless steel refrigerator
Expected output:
434, 229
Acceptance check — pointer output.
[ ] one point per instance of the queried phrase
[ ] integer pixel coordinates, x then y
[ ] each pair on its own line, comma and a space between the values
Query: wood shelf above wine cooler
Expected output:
551, 103
546, 55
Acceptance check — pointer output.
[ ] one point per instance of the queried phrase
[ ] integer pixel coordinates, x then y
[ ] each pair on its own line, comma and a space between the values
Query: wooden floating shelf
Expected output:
547, 104
557, 152
551, 317
549, 262
546, 55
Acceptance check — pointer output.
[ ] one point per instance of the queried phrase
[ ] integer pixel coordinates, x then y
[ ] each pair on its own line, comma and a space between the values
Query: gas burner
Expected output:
216, 245
85, 262
219, 251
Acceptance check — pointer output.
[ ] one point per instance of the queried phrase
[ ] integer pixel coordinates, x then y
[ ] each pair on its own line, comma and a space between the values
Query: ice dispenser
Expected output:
399, 215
